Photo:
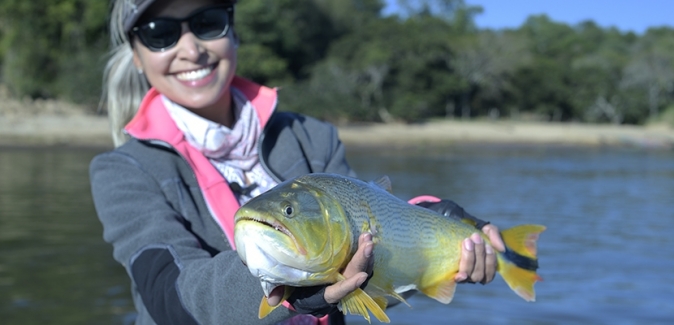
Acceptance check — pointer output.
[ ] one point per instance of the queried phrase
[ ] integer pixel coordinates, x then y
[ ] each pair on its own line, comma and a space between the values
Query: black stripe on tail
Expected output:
521, 261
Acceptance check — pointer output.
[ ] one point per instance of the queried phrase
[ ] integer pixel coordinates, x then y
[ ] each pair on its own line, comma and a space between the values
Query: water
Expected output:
606, 258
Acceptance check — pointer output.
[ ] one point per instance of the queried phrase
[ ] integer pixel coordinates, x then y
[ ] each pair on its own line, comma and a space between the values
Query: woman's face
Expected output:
194, 73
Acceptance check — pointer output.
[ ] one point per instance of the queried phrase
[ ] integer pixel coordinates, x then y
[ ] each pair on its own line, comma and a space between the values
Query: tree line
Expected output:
343, 60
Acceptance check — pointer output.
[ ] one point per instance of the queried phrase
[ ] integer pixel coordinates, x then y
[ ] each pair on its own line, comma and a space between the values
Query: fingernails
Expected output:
468, 244
368, 250
489, 250
361, 279
476, 238
460, 277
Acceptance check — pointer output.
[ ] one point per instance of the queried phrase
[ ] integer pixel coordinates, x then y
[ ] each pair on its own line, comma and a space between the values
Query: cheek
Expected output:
224, 48
156, 65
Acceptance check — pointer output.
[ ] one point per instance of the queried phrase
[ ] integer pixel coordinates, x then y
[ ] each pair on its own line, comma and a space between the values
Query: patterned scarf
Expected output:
232, 151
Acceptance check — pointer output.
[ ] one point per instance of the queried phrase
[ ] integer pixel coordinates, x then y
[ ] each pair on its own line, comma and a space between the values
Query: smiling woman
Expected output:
195, 142
190, 73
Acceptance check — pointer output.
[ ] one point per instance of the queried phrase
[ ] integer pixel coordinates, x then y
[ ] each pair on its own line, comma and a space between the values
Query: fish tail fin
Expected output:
518, 264
266, 309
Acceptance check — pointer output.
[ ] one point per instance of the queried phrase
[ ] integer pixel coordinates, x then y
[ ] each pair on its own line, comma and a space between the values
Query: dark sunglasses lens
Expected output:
160, 34
210, 24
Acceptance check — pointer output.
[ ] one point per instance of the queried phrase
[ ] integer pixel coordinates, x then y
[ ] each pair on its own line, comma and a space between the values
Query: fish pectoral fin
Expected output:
266, 309
359, 303
381, 301
442, 291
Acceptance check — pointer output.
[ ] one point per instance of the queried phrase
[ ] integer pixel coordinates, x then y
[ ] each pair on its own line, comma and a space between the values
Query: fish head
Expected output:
295, 234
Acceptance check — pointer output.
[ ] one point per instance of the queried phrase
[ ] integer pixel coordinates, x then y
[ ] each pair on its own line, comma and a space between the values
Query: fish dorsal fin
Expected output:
384, 182
443, 290
359, 302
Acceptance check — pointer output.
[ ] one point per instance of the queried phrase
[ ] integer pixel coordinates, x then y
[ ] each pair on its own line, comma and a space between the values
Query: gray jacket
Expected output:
153, 212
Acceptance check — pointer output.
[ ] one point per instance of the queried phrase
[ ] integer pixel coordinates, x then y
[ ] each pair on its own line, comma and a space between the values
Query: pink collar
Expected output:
153, 122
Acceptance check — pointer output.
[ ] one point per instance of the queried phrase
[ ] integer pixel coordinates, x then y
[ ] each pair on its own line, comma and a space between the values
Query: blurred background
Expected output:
392, 60
607, 254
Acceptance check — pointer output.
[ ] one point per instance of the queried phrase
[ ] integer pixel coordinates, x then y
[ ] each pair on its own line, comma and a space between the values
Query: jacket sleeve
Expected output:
179, 280
450, 209
296, 145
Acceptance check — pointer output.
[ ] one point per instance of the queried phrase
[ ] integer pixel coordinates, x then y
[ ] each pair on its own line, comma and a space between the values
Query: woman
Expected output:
190, 150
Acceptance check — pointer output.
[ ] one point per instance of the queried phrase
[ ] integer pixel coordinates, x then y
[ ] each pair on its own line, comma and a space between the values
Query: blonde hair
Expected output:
123, 85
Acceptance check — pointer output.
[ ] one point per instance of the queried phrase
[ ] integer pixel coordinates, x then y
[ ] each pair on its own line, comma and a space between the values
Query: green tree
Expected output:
53, 48
650, 70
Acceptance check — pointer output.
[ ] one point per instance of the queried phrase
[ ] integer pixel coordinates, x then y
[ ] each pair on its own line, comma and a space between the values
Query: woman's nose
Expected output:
189, 46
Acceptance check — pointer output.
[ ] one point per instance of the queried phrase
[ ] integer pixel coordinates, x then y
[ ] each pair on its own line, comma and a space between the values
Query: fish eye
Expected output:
288, 210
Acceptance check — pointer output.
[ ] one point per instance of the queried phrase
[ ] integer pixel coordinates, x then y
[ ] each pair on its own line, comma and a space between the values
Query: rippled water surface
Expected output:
607, 256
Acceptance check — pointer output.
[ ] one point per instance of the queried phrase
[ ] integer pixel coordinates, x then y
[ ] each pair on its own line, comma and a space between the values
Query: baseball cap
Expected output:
133, 9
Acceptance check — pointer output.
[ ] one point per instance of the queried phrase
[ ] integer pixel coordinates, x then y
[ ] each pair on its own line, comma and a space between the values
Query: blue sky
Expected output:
626, 15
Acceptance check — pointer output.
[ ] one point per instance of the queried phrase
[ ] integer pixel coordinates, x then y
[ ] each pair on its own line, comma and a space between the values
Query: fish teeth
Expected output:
194, 74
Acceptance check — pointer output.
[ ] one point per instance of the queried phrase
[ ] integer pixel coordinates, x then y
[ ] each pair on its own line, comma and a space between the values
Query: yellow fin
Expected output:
399, 297
442, 291
522, 239
519, 272
358, 303
519, 280
266, 309
381, 301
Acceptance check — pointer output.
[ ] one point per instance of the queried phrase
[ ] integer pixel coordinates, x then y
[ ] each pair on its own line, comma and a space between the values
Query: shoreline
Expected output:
81, 130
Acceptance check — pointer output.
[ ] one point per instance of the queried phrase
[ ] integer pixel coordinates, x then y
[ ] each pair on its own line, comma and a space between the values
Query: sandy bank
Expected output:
88, 130
510, 132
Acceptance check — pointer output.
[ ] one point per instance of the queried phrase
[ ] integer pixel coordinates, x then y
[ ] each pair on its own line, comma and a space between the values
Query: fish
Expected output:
304, 232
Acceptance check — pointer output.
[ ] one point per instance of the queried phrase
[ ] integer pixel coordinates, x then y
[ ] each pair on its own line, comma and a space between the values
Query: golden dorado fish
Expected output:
305, 231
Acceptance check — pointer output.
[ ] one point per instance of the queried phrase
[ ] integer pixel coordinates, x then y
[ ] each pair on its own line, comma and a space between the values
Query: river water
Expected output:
607, 256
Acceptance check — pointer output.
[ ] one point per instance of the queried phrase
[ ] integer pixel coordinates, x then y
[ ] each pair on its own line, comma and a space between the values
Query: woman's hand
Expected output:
478, 261
356, 272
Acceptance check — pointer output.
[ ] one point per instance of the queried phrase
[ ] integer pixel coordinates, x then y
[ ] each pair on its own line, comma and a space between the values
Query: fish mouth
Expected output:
271, 224
279, 227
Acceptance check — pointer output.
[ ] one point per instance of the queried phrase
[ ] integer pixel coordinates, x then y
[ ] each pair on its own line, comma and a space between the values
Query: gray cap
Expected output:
133, 9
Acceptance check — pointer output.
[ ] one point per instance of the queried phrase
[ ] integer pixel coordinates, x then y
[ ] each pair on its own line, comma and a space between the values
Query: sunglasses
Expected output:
160, 34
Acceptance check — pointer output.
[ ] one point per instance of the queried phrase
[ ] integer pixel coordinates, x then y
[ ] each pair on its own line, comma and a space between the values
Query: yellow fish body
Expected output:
304, 232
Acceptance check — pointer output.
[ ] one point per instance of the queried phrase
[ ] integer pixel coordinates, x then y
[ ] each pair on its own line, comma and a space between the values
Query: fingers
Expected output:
275, 296
478, 261
480, 253
490, 265
467, 260
494, 236
334, 293
362, 260
356, 272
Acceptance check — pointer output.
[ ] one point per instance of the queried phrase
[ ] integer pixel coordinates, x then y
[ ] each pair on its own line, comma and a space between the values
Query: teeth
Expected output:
194, 75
